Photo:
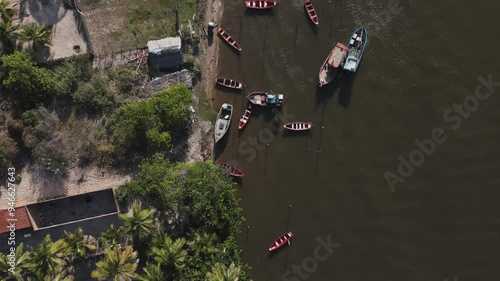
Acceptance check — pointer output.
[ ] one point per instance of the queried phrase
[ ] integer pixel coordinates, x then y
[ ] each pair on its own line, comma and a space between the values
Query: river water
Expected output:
438, 218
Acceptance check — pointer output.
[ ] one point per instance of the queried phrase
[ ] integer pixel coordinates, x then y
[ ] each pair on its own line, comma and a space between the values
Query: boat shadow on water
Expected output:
288, 133
313, 26
342, 84
226, 89
220, 146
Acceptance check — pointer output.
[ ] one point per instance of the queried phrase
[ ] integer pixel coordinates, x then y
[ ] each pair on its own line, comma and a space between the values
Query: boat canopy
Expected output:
271, 99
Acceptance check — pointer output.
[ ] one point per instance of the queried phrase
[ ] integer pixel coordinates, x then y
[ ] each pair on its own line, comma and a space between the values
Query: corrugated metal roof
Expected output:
20, 218
164, 45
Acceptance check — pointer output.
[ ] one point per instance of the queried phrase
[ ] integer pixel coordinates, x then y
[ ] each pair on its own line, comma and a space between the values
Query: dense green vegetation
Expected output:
186, 235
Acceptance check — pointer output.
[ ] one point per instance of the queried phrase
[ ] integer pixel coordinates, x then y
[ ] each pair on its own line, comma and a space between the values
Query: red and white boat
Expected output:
245, 117
311, 12
260, 4
233, 84
280, 241
230, 169
298, 126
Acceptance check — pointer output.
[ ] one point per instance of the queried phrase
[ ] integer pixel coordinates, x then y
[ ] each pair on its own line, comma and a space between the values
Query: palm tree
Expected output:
152, 272
222, 273
171, 254
117, 265
78, 245
139, 224
8, 35
6, 10
59, 274
202, 243
48, 257
38, 35
113, 236
19, 264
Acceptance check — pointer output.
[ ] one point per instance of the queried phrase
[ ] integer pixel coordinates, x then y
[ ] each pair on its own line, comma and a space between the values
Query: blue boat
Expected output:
357, 44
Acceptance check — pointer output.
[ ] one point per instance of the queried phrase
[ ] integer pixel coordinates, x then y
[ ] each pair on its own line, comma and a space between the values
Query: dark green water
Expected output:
443, 221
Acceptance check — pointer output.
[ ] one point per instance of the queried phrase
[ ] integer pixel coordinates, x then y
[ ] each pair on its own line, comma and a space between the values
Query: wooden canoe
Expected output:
229, 83
331, 66
228, 39
260, 5
298, 126
311, 12
280, 241
230, 169
245, 117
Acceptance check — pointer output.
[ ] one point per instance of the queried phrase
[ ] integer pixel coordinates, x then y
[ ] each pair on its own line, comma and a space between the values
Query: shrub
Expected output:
94, 94
172, 108
51, 155
30, 117
65, 79
126, 80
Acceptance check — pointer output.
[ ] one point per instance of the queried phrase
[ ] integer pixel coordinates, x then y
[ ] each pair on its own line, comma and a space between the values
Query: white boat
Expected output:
223, 121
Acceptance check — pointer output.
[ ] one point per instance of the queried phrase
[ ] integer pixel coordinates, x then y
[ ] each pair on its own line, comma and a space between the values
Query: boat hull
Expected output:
260, 5
226, 37
332, 64
357, 45
298, 126
280, 241
311, 12
223, 121
229, 83
265, 99
229, 169
245, 117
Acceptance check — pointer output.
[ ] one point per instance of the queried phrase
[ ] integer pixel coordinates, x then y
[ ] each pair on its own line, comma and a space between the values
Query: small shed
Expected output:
165, 53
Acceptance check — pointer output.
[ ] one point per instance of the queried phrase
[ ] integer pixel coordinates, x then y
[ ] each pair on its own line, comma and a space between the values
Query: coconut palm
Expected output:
47, 257
19, 264
6, 10
171, 254
8, 35
38, 35
59, 274
202, 243
152, 272
139, 224
222, 273
113, 236
117, 265
78, 245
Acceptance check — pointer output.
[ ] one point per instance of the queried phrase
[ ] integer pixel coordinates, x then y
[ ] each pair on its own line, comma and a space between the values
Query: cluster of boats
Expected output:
341, 57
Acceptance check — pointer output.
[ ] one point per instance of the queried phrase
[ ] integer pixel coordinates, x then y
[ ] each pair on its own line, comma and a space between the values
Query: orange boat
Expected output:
228, 39
332, 64
260, 4
230, 83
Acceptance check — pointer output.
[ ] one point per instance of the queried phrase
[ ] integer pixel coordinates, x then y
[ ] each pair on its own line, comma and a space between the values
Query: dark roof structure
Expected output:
165, 53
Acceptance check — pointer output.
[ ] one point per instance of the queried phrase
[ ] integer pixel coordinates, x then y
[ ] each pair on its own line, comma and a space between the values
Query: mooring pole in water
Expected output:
248, 232
265, 165
288, 218
296, 32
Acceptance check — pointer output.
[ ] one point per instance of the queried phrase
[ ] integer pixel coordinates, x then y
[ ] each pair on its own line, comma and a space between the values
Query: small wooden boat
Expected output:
223, 121
298, 126
260, 5
228, 39
265, 99
230, 169
311, 12
356, 46
280, 241
245, 117
330, 67
233, 84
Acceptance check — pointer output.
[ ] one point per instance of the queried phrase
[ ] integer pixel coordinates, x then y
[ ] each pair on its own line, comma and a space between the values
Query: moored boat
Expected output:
228, 39
280, 241
223, 121
265, 99
311, 12
298, 126
233, 84
230, 169
357, 44
260, 4
245, 117
330, 67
